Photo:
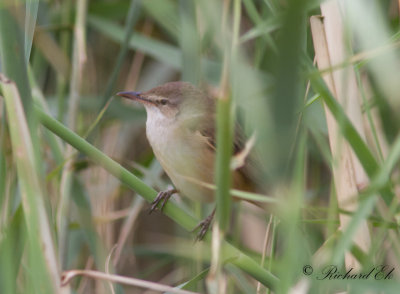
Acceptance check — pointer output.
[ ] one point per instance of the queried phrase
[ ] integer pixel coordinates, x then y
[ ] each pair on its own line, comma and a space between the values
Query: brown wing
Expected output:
238, 142
245, 177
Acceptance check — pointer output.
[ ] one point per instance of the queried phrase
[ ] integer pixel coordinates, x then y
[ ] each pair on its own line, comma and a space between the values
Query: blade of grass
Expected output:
191, 284
131, 20
365, 207
78, 60
10, 43
378, 140
294, 257
223, 177
371, 35
65, 44
3, 164
161, 11
157, 49
263, 28
362, 151
52, 52
30, 24
216, 280
286, 100
85, 217
161, 51
189, 42
12, 245
238, 278
41, 247
79, 57
23, 128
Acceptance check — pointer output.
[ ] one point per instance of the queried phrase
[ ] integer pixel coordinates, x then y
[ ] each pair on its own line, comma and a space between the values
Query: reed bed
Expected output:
313, 84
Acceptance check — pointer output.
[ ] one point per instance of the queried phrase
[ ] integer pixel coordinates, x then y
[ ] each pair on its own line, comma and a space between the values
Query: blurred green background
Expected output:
65, 208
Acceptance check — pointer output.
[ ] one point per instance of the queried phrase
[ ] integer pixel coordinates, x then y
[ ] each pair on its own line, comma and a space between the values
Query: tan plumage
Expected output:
180, 128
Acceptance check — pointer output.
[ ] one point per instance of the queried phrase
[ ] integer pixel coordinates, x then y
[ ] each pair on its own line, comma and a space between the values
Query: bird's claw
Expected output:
204, 225
162, 197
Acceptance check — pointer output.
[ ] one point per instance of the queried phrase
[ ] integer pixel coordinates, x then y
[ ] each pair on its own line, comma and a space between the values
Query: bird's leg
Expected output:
162, 197
204, 225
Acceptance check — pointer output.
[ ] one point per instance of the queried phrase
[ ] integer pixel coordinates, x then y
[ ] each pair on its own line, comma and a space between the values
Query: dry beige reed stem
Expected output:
349, 175
68, 275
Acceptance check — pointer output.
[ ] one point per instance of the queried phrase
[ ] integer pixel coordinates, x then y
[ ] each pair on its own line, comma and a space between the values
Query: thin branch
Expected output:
68, 275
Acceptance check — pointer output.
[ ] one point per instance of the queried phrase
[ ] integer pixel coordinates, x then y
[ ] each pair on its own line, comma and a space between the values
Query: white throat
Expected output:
159, 127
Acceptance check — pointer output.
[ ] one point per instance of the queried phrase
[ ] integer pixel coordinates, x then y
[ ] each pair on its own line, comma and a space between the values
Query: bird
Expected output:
180, 128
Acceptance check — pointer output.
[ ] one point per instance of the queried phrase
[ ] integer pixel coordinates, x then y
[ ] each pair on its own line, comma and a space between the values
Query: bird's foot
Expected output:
204, 225
162, 197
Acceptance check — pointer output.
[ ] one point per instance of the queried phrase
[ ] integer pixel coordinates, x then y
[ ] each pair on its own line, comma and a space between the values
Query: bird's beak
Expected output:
129, 95
136, 96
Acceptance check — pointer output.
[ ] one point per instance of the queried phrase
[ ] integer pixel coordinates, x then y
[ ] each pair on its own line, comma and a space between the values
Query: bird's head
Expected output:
174, 101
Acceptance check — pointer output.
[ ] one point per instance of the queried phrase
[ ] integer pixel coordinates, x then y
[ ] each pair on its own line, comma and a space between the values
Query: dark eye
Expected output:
163, 101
